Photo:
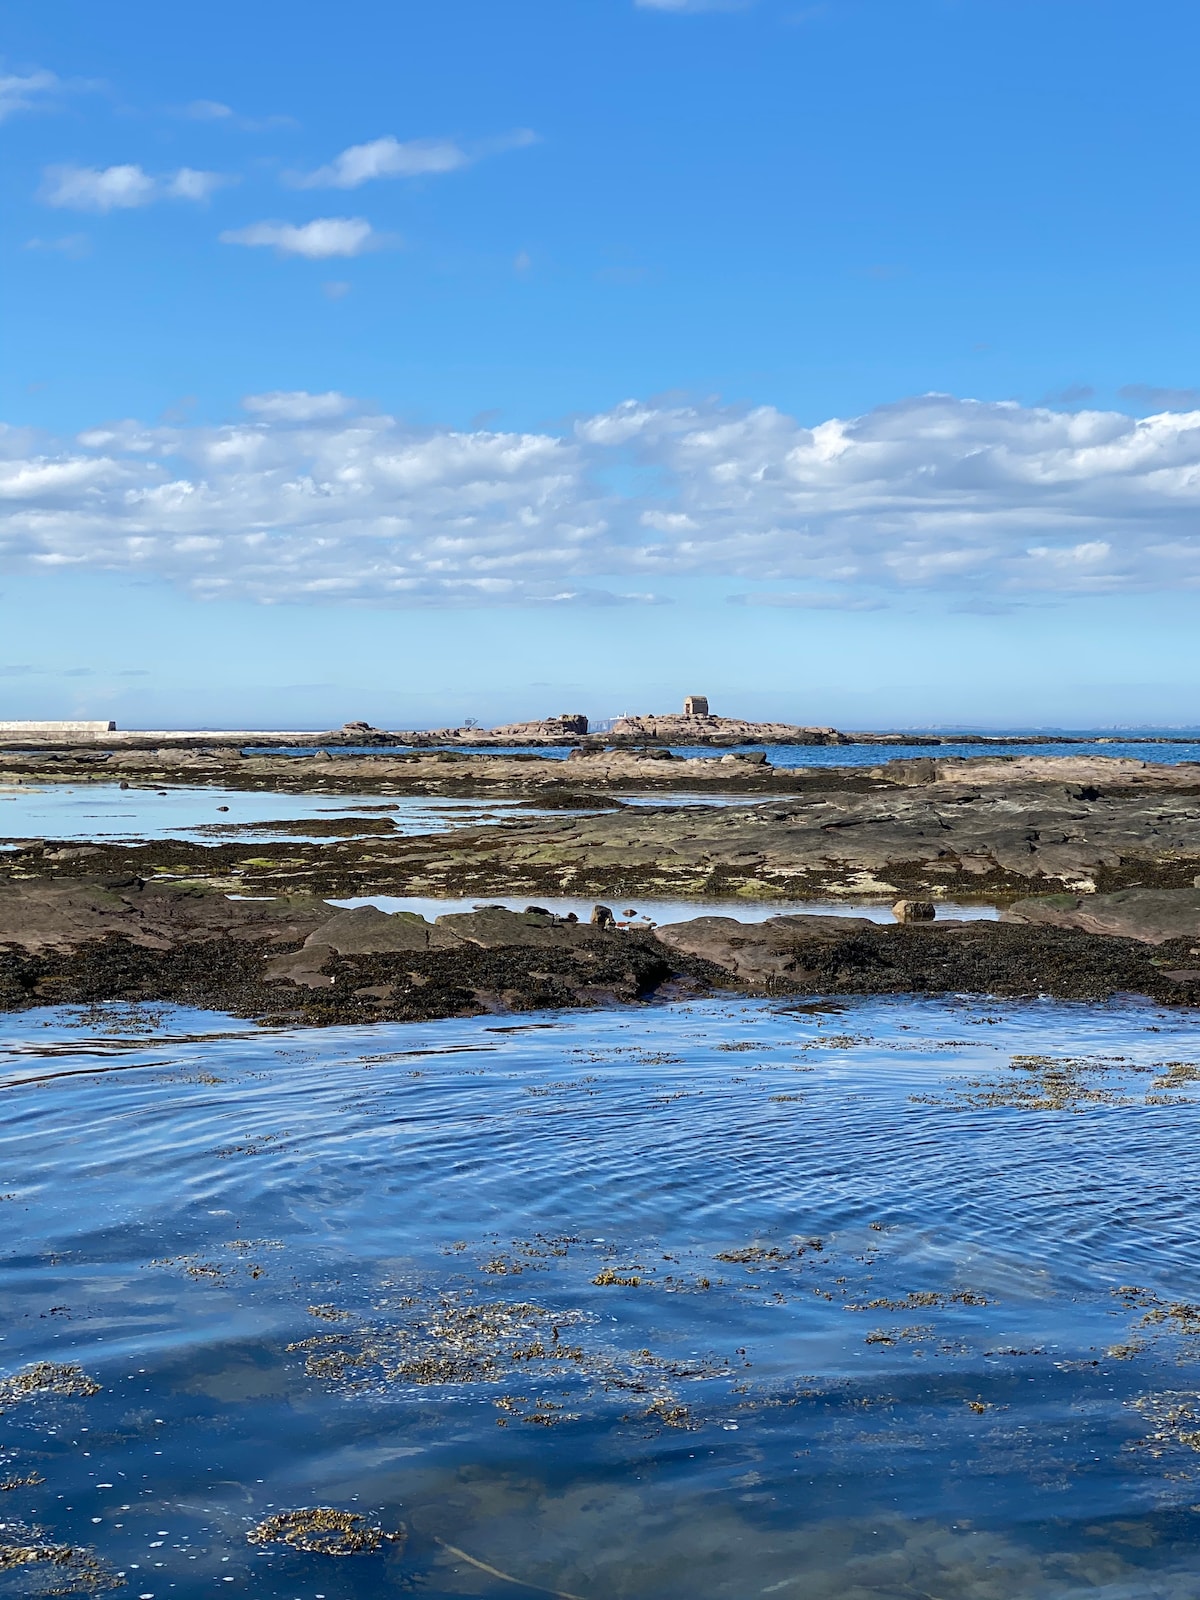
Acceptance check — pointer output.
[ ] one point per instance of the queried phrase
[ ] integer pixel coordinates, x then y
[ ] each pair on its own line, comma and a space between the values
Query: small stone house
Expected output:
695, 705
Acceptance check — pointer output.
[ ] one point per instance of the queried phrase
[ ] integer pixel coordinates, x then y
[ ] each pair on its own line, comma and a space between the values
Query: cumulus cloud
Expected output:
311, 498
392, 158
123, 188
24, 91
317, 240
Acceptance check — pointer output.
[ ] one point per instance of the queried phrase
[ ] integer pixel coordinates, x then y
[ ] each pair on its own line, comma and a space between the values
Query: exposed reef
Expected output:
298, 959
985, 829
1095, 860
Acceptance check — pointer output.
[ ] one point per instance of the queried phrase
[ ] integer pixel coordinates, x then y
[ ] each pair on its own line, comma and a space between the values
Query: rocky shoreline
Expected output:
986, 829
299, 960
1093, 860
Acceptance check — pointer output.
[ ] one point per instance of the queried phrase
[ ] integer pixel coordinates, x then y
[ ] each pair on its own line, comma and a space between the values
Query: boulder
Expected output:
758, 952
1151, 915
914, 911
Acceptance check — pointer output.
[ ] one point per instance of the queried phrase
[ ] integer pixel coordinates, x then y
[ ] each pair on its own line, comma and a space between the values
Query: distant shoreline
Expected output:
415, 739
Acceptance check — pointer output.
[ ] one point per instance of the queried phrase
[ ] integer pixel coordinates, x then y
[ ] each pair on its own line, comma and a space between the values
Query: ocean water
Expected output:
852, 755
874, 755
859, 1302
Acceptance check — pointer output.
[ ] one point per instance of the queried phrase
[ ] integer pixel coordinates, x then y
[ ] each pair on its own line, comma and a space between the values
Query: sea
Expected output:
853, 1300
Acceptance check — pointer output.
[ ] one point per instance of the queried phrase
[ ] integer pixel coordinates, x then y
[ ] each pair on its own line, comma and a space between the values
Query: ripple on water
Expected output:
884, 1299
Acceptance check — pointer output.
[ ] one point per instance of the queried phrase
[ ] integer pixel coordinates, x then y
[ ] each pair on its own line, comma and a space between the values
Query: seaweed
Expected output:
325, 1531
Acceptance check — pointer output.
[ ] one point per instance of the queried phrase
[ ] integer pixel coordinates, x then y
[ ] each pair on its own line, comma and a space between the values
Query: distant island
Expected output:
694, 726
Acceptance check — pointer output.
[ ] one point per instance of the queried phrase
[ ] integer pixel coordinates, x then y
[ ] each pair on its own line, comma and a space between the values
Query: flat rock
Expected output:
495, 928
368, 931
1151, 915
363, 931
63, 913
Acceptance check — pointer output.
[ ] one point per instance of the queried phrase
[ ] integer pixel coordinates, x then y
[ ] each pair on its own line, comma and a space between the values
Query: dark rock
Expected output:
602, 917
914, 911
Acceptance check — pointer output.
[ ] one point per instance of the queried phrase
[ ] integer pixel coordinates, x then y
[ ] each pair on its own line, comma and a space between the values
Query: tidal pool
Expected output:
659, 912
870, 1299
105, 812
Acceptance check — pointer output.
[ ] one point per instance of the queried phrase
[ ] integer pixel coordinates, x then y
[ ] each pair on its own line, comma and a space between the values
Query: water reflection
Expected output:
721, 1300
105, 812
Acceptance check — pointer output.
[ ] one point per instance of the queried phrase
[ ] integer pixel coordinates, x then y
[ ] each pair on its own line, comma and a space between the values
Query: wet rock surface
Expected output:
851, 955
1095, 857
917, 830
299, 958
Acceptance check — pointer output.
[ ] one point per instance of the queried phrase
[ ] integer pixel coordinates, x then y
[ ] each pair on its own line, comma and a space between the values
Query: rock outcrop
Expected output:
568, 725
703, 729
1153, 916
851, 955
300, 959
41, 914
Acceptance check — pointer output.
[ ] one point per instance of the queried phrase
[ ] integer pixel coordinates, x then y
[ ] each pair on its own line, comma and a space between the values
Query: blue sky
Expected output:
416, 362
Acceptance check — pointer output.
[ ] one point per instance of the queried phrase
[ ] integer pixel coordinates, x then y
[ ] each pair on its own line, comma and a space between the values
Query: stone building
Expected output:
695, 705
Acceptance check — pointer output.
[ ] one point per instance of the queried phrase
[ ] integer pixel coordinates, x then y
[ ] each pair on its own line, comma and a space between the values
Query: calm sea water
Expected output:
852, 755
882, 1299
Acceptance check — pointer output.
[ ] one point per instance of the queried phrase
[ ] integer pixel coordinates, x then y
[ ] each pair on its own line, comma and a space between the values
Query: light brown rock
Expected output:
1151, 915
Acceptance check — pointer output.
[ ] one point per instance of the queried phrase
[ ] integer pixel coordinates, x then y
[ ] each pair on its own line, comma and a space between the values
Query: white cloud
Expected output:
217, 111
317, 240
415, 158
297, 405
97, 189
25, 91
385, 158
123, 188
190, 184
309, 499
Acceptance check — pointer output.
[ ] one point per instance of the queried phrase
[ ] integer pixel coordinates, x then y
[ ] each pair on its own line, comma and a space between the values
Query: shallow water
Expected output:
661, 912
104, 811
879, 1299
